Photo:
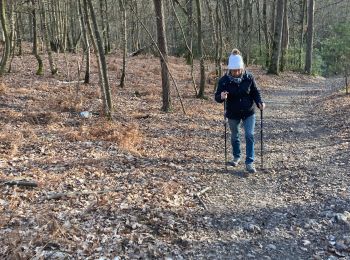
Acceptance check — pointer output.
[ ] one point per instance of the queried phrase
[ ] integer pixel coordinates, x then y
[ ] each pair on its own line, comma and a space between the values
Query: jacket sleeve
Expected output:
255, 92
219, 89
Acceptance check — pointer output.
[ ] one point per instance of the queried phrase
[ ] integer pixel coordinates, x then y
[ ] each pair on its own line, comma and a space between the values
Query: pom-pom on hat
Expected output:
235, 62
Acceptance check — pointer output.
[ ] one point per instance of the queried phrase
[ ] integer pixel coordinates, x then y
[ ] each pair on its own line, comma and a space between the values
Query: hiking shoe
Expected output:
250, 168
235, 162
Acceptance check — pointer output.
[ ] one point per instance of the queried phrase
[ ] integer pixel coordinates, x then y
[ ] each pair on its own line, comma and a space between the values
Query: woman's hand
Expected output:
261, 106
224, 95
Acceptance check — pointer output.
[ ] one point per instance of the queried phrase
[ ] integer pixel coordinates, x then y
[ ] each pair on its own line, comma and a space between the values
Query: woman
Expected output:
239, 89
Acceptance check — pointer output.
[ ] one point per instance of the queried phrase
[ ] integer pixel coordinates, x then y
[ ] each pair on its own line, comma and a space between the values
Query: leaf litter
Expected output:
153, 185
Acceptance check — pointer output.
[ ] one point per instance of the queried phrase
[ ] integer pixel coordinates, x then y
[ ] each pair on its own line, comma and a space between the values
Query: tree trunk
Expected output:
238, 22
266, 34
83, 24
285, 37
108, 34
346, 82
219, 44
125, 42
94, 44
189, 34
277, 39
273, 21
35, 41
259, 26
302, 25
200, 51
47, 40
20, 30
102, 58
4, 24
74, 30
135, 32
211, 22
103, 14
245, 33
310, 37
12, 36
158, 5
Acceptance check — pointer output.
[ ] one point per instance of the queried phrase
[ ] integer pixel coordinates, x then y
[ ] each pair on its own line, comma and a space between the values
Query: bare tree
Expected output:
4, 24
158, 5
96, 37
277, 39
310, 37
219, 44
266, 33
83, 24
53, 67
285, 37
35, 40
125, 41
301, 33
200, 50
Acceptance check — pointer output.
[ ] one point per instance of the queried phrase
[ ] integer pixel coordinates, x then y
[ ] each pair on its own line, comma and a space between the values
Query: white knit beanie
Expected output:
235, 62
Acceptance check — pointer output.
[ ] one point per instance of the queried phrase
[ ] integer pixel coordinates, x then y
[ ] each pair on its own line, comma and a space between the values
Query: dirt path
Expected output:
296, 208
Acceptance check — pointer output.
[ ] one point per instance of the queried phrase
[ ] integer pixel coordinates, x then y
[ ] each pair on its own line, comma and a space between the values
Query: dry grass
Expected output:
3, 88
127, 137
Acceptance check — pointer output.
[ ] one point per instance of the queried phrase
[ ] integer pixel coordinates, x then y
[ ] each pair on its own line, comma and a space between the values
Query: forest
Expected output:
113, 147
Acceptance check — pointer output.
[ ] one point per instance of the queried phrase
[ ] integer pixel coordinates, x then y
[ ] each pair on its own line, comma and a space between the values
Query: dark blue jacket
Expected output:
241, 97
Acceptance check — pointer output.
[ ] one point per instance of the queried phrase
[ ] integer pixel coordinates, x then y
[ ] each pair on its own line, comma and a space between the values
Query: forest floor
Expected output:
153, 185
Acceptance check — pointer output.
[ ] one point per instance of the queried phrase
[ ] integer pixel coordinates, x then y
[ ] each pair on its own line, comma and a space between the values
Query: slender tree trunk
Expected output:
101, 56
103, 14
4, 25
108, 34
75, 29
124, 40
302, 25
273, 21
200, 51
219, 44
259, 27
158, 5
189, 34
266, 34
346, 80
238, 22
135, 32
47, 40
211, 22
94, 44
65, 26
310, 37
84, 26
226, 16
12, 36
20, 30
245, 33
276, 48
285, 37
35, 41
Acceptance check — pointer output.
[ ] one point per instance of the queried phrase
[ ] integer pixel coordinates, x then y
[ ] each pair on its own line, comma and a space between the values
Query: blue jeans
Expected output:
248, 124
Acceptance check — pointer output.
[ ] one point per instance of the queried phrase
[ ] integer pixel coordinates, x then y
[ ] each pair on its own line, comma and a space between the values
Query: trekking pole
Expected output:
225, 123
261, 140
